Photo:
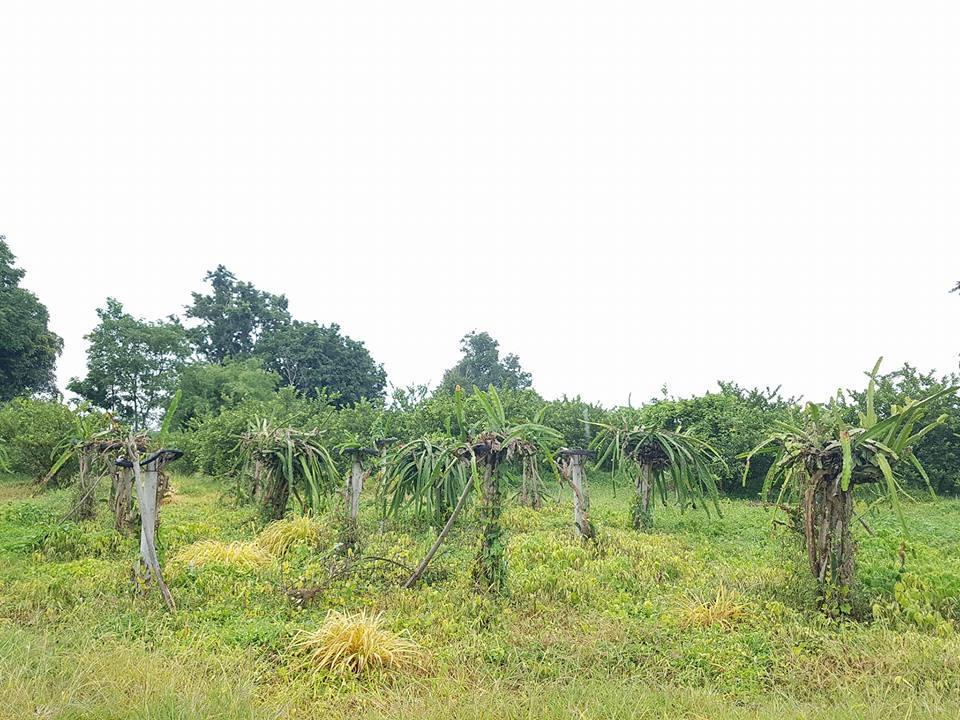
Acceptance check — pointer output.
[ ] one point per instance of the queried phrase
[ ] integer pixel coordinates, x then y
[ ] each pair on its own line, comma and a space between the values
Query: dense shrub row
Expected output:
209, 420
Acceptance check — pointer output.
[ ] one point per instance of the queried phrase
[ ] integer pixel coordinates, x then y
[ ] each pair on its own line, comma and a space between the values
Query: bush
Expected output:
31, 430
733, 421
570, 417
209, 388
212, 440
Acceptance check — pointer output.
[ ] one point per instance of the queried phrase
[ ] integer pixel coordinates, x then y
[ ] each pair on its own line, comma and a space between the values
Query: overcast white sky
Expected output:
625, 194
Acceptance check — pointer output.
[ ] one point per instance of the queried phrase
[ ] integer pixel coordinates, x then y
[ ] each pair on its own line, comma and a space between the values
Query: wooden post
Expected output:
355, 480
147, 499
145, 480
577, 477
354, 489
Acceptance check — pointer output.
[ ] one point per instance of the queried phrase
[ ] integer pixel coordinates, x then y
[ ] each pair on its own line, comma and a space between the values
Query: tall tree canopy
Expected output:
132, 364
481, 366
311, 357
233, 316
208, 388
28, 348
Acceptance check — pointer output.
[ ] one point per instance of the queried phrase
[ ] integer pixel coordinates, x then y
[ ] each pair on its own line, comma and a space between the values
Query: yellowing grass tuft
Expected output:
278, 537
242, 555
723, 610
355, 643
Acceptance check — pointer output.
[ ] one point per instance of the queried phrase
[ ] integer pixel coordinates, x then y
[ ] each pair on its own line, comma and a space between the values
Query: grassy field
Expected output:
631, 627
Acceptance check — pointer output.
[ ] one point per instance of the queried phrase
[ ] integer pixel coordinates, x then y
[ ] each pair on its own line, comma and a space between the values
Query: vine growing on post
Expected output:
661, 462
823, 459
497, 440
440, 472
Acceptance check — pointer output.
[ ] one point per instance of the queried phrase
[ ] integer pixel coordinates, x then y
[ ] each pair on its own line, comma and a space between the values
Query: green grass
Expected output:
601, 630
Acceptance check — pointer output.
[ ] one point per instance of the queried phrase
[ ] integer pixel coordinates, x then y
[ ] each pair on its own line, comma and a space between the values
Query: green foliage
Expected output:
132, 365
494, 441
678, 464
426, 474
588, 629
211, 442
73, 541
32, 431
733, 421
233, 316
482, 366
939, 454
89, 426
866, 454
573, 418
439, 413
281, 460
28, 348
312, 357
209, 388
822, 459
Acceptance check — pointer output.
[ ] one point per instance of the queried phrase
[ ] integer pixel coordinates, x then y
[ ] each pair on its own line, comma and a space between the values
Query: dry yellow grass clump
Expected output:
355, 643
723, 610
278, 537
243, 555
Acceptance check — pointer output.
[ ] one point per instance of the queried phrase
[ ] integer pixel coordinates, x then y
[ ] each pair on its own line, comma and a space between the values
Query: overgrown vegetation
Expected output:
331, 552
710, 616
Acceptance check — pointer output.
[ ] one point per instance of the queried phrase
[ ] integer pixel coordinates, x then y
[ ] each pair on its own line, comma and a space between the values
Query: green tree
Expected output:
28, 348
312, 357
482, 366
208, 388
233, 316
132, 364
31, 430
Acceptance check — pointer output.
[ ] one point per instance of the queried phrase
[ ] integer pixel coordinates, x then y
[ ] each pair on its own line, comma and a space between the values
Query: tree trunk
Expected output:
641, 513
831, 550
145, 484
581, 500
491, 567
121, 498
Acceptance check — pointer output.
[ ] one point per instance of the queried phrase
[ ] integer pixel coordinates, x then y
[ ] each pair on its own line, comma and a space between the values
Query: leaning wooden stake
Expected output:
145, 485
422, 567
576, 476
